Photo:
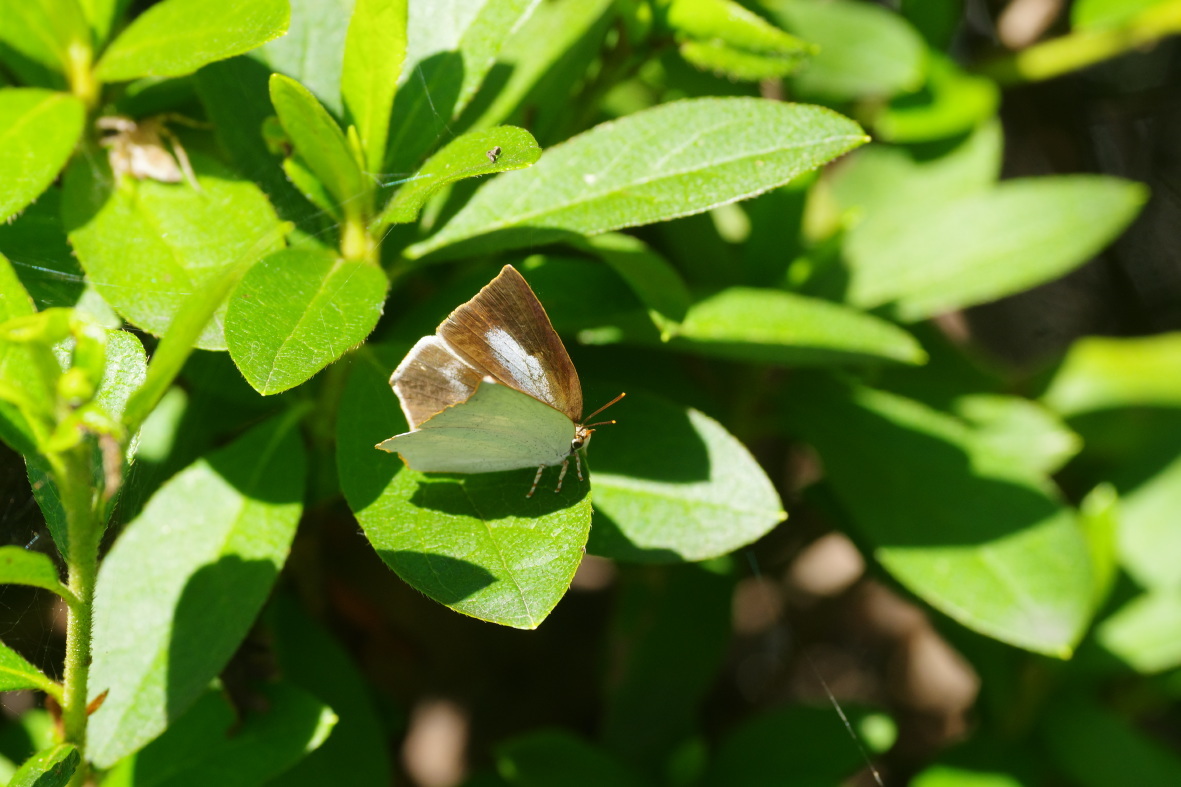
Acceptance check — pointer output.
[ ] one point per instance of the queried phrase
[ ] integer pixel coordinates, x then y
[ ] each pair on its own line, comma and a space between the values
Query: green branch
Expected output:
1084, 48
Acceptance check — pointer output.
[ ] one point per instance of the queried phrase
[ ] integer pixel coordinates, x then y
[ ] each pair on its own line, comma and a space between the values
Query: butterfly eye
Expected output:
576, 443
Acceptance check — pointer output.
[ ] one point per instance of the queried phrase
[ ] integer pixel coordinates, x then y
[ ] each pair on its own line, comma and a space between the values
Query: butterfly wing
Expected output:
431, 378
497, 428
504, 332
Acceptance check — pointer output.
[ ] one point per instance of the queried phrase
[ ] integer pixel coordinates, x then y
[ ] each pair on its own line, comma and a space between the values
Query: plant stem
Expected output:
355, 241
83, 531
1087, 47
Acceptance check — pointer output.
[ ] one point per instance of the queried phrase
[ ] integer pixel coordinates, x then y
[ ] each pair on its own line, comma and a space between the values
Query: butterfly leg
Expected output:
578, 465
536, 481
562, 474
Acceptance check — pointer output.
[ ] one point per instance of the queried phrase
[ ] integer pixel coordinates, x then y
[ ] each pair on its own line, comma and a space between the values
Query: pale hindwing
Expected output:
432, 378
498, 428
505, 332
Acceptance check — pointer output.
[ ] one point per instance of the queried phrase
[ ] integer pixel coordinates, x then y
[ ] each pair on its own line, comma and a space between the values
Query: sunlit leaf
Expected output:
671, 484
989, 244
298, 310
373, 55
674, 160
38, 132
184, 582
176, 37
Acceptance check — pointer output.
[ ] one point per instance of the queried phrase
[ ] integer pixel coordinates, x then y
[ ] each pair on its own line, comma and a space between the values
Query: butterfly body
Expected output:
492, 389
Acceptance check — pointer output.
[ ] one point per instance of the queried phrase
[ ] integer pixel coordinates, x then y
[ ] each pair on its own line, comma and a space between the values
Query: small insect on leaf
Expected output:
146, 149
494, 154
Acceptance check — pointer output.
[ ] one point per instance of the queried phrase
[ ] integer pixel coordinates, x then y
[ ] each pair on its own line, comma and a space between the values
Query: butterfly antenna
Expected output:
601, 409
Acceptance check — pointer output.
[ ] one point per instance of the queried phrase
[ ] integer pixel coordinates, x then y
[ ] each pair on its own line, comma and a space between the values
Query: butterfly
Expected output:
492, 389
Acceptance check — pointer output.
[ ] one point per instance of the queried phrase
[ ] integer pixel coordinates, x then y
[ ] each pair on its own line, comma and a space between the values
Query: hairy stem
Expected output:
83, 530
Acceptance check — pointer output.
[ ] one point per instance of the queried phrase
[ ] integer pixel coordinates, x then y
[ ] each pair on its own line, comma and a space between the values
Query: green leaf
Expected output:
38, 132
550, 757
1095, 747
1103, 373
655, 282
771, 326
1101, 14
889, 185
16, 673
1149, 540
310, 53
1024, 431
474, 543
312, 188
184, 582
987, 543
373, 55
18, 370
47, 38
298, 310
952, 102
236, 99
673, 160
672, 484
311, 658
49, 768
723, 37
102, 15
990, 244
125, 370
546, 55
56, 279
20, 566
953, 776
1143, 632
176, 37
866, 51
319, 142
451, 47
471, 155
1099, 516
148, 247
211, 744
754, 754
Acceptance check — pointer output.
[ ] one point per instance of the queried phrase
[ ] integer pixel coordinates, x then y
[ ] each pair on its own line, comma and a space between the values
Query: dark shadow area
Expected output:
1127, 446
29, 72
652, 439
490, 88
529, 238
421, 116
215, 611
776, 354
267, 464
499, 495
445, 579
35, 243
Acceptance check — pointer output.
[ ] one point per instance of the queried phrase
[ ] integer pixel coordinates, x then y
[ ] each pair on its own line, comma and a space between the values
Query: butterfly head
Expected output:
583, 432
582, 436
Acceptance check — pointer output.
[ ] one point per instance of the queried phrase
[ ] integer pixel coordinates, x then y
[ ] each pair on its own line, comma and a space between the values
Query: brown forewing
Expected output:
505, 332
430, 378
